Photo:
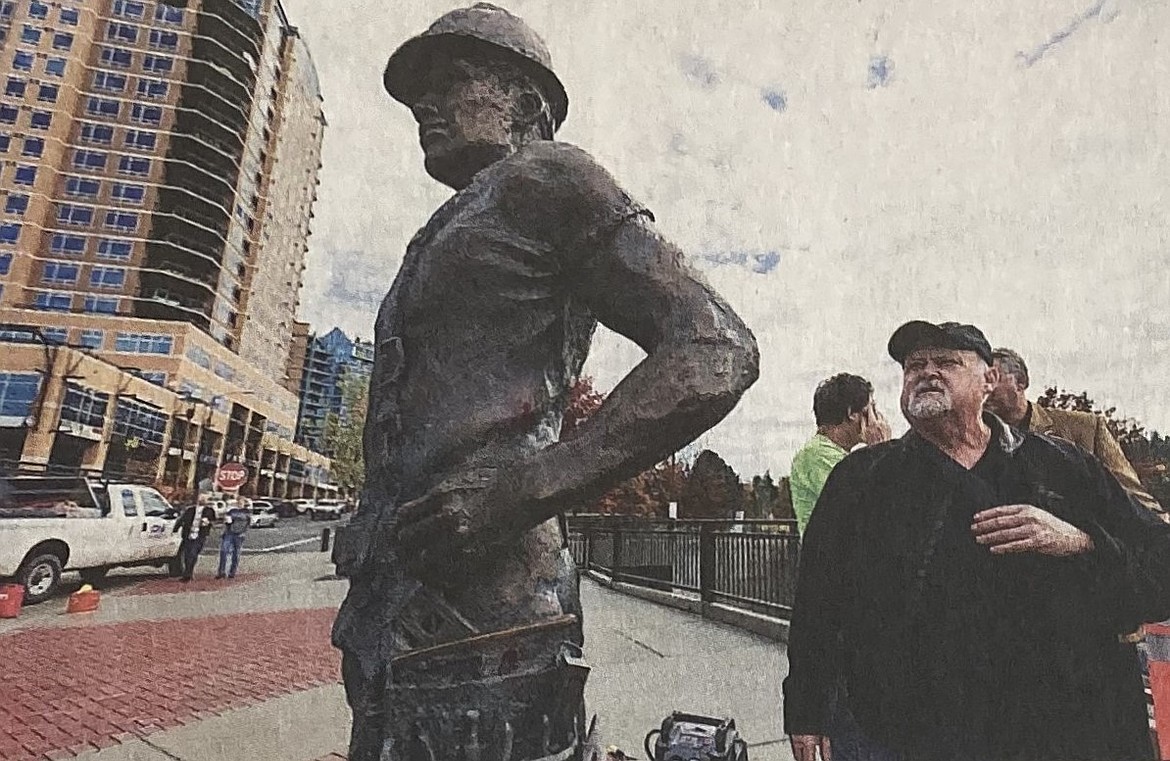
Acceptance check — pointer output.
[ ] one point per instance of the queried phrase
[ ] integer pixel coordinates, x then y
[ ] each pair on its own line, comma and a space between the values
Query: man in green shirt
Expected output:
846, 416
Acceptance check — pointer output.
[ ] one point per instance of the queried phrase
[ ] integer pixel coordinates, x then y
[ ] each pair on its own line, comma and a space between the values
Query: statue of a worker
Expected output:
461, 633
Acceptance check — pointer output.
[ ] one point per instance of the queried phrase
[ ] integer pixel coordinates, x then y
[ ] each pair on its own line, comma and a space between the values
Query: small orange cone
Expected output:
84, 600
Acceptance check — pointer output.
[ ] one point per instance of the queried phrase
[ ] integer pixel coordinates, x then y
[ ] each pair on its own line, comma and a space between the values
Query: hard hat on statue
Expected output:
484, 28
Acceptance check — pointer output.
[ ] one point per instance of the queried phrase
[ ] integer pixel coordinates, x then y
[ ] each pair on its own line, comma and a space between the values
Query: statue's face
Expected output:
465, 120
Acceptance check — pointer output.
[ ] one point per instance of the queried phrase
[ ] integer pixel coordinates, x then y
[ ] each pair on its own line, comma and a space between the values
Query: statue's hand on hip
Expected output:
453, 519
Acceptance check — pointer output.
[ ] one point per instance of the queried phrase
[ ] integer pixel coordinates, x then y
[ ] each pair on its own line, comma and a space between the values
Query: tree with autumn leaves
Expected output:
1148, 451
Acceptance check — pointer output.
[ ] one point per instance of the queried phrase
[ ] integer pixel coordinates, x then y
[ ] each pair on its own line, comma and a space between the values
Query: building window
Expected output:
141, 139
55, 66
146, 114
18, 391
54, 301
167, 14
60, 273
101, 305
108, 278
82, 187
17, 204
40, 120
69, 16
101, 107
63, 243
134, 165
138, 420
161, 40
48, 93
129, 9
199, 357
109, 81
225, 371
38, 10
121, 33
92, 338
5, 142
30, 35
111, 248
126, 193
152, 88
9, 233
158, 63
77, 216
5, 263
25, 175
62, 41
15, 87
119, 57
156, 377
97, 133
8, 113
59, 336
89, 159
123, 221
33, 146
144, 343
7, 8
84, 406
23, 61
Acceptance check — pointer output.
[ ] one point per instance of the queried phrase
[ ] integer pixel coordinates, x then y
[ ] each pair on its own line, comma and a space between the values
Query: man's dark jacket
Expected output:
188, 518
1065, 688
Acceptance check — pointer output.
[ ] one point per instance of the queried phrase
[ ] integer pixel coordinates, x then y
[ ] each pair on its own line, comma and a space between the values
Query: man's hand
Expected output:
448, 519
874, 428
804, 747
1027, 528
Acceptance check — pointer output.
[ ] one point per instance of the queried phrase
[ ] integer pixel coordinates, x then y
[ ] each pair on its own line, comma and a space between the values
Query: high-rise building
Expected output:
160, 166
328, 361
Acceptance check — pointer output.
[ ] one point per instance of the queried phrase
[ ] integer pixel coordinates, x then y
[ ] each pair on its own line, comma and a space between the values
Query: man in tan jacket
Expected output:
1085, 429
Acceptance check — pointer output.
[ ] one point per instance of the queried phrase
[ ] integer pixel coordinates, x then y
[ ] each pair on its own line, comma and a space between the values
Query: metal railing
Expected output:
747, 564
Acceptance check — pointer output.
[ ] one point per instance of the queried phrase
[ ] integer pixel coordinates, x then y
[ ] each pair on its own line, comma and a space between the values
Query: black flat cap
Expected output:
919, 334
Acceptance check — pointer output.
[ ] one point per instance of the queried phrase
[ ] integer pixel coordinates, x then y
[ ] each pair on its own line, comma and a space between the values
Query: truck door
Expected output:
136, 528
159, 538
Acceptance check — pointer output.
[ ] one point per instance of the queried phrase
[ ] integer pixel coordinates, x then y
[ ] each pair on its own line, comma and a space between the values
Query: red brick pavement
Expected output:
167, 586
66, 691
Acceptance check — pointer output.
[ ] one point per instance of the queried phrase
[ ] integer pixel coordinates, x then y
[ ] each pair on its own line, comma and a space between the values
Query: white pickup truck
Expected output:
49, 525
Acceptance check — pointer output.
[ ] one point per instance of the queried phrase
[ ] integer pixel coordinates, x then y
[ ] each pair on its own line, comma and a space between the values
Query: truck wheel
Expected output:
94, 575
40, 577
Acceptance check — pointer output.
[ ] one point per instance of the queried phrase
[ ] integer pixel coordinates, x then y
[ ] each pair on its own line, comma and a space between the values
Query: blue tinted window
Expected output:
57, 302
33, 146
8, 113
122, 33
111, 248
18, 391
69, 16
126, 221
62, 41
9, 233
17, 203
158, 63
5, 141
61, 273
92, 339
89, 159
83, 187
117, 57
146, 114
152, 88
140, 139
38, 9
23, 61
41, 120
26, 175
47, 93
55, 66
64, 243
97, 133
128, 193
30, 35
109, 81
80, 216
164, 12
5, 263
164, 40
102, 107
108, 277
134, 165
129, 9
101, 305
15, 87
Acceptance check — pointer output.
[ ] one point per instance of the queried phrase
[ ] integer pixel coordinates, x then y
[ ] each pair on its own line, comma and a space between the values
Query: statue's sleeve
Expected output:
557, 195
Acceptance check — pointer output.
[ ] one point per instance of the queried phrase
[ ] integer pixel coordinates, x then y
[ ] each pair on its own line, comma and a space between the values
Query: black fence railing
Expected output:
748, 564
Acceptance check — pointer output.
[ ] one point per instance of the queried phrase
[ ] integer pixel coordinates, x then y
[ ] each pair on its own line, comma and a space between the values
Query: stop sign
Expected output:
230, 476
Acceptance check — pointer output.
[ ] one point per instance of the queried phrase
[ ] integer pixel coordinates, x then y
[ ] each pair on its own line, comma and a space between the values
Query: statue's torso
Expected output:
477, 343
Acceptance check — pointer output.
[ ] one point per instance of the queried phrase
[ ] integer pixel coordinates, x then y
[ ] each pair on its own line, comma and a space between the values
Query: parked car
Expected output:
304, 505
285, 508
327, 510
264, 514
52, 525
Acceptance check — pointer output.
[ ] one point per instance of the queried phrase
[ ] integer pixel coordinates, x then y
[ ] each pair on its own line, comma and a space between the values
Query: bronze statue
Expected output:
461, 633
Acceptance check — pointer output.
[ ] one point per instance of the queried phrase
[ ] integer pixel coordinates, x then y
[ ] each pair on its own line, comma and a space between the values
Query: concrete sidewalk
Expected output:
647, 661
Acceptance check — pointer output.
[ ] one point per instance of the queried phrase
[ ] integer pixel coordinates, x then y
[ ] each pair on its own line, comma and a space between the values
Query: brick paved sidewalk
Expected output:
69, 690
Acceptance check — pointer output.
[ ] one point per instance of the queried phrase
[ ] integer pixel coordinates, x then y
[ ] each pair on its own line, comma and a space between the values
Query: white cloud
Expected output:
1026, 199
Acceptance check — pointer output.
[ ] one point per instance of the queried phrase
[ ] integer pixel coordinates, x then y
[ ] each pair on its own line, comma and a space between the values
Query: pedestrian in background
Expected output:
846, 416
235, 526
194, 525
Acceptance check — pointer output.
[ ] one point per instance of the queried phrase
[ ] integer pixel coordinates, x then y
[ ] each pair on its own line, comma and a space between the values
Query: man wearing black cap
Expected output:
971, 586
461, 634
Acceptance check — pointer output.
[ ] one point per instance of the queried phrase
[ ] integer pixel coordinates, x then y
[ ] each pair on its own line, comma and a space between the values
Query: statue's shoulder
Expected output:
556, 166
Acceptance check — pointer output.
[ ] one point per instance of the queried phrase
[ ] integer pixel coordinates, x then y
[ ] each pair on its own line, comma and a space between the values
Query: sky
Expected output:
832, 169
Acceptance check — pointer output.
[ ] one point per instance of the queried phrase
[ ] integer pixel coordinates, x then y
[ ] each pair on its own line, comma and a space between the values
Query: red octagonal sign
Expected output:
230, 476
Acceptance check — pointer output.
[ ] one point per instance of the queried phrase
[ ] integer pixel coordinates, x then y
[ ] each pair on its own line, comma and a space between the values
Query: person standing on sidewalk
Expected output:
194, 526
235, 526
846, 416
971, 585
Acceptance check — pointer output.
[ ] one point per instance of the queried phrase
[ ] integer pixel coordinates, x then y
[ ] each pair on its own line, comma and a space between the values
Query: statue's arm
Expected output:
700, 358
